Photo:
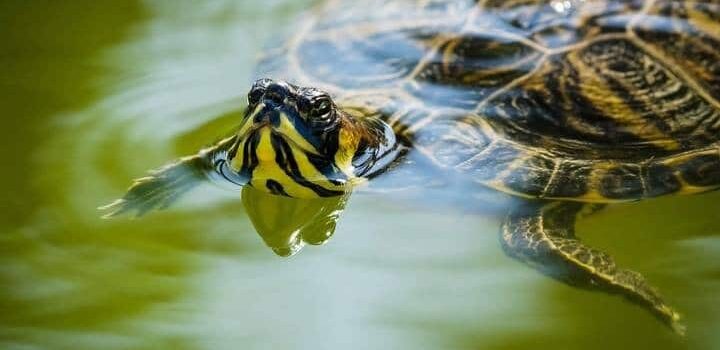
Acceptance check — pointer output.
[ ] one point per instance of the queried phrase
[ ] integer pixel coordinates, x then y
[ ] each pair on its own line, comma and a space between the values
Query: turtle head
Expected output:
296, 141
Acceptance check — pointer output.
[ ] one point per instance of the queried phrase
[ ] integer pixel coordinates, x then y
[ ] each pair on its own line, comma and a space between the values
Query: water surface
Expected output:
96, 93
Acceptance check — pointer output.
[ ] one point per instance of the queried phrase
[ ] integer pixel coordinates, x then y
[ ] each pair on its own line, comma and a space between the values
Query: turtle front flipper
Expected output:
163, 186
543, 236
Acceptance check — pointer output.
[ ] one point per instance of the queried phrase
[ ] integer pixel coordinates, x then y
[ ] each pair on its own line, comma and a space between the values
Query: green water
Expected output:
95, 93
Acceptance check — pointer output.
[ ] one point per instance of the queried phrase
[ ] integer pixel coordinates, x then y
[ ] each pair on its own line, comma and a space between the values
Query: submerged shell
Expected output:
584, 100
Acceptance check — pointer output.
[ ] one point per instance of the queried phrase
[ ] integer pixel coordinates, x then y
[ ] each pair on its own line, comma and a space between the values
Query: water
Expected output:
95, 94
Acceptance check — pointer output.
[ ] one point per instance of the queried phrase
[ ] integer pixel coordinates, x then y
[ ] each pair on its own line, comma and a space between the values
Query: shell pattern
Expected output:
586, 100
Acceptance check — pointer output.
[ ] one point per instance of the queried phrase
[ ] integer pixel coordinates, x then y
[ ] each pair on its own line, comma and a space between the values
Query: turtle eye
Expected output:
258, 90
255, 94
321, 108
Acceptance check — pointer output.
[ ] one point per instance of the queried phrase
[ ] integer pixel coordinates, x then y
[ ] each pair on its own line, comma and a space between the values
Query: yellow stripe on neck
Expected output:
268, 169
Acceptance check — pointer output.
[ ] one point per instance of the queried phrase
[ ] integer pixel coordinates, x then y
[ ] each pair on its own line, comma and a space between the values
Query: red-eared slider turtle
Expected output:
561, 103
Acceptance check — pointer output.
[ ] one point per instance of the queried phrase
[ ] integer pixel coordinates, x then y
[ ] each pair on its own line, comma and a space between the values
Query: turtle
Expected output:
562, 104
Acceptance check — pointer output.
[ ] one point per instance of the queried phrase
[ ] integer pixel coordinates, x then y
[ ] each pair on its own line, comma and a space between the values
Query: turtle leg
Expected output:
161, 187
158, 189
543, 236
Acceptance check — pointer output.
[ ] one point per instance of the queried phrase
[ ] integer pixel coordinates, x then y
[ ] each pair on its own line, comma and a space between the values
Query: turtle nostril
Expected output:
276, 93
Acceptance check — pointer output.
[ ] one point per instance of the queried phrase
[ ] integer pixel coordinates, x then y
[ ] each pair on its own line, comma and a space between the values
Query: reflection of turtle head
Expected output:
287, 224
294, 141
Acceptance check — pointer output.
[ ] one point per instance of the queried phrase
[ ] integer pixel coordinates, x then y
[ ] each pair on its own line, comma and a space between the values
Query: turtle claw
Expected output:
113, 209
679, 328
162, 187
159, 189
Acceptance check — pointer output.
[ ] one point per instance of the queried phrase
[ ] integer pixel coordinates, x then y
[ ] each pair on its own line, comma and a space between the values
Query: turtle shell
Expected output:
583, 100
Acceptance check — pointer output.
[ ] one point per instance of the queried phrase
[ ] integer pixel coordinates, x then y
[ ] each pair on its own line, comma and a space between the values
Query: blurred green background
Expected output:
94, 93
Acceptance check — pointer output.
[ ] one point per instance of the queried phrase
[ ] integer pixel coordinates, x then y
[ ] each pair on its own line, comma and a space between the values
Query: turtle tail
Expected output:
161, 187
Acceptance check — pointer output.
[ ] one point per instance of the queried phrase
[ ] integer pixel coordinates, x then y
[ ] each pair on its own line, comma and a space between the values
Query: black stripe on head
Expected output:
275, 188
322, 164
250, 158
305, 130
328, 169
276, 141
326, 164
293, 171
